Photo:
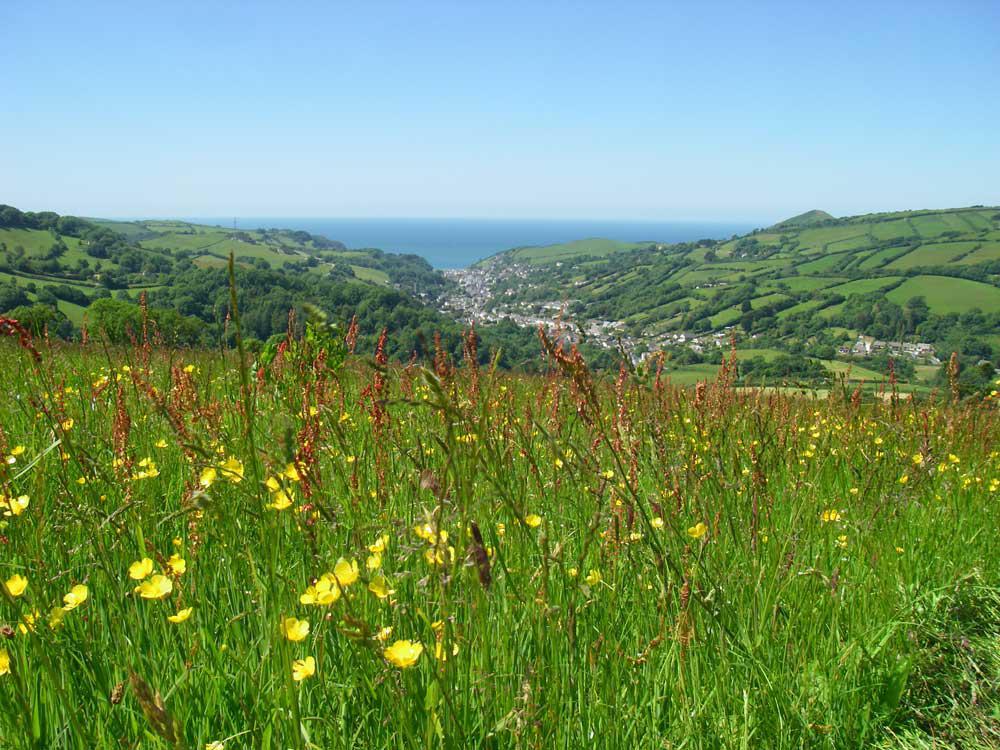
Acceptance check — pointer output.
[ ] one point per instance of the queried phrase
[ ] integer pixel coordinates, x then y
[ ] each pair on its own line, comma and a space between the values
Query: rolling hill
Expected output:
812, 283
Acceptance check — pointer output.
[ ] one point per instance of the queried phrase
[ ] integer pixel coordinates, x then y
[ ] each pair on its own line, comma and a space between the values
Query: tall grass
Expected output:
585, 562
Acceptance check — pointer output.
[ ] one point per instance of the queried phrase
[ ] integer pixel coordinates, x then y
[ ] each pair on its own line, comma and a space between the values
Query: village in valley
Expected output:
484, 293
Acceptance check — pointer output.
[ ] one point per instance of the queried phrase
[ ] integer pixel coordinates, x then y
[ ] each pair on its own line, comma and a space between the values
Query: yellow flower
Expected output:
657, 523
378, 547
157, 587
14, 505
4, 662
593, 577
697, 531
533, 520
161, 443
842, 541
572, 572
904, 479
56, 617
380, 588
177, 565
345, 572
208, 477
214, 745
374, 561
140, 569
294, 630
67, 424
829, 516
29, 620
232, 469
918, 459
291, 473
17, 450
76, 596
16, 585
403, 654
189, 369
425, 531
181, 616
272, 484
280, 500
325, 592
303, 668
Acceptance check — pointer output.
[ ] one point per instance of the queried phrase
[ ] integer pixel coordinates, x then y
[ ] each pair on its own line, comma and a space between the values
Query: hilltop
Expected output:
807, 219
812, 285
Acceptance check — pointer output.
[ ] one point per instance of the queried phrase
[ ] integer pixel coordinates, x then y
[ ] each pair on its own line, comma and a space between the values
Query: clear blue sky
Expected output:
660, 110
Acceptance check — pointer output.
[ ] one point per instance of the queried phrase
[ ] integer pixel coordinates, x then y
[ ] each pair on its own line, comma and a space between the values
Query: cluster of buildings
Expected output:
866, 346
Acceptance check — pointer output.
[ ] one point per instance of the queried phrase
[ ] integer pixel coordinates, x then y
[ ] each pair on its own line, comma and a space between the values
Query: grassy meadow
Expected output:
312, 549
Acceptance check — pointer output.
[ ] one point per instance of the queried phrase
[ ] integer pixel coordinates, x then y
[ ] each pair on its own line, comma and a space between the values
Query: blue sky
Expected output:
661, 110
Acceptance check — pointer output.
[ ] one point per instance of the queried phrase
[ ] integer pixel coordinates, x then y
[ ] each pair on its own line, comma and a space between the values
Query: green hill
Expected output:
810, 283
809, 218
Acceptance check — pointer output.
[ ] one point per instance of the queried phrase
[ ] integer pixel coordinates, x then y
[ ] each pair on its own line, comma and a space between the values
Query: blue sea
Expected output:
456, 243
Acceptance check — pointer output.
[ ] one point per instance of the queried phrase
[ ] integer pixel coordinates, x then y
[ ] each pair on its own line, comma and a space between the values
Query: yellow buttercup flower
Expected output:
16, 585
56, 616
4, 662
76, 596
140, 569
323, 593
697, 531
403, 654
232, 469
157, 587
379, 546
181, 615
176, 565
294, 630
374, 561
208, 477
291, 473
161, 443
346, 572
657, 523
280, 500
14, 506
303, 668
593, 577
380, 587
28, 622
67, 424
829, 516
533, 520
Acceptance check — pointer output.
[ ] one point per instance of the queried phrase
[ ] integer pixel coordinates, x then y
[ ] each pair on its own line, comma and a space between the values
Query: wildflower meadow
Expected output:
305, 547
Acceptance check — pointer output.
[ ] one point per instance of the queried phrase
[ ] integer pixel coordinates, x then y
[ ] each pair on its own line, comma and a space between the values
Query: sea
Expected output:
457, 243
